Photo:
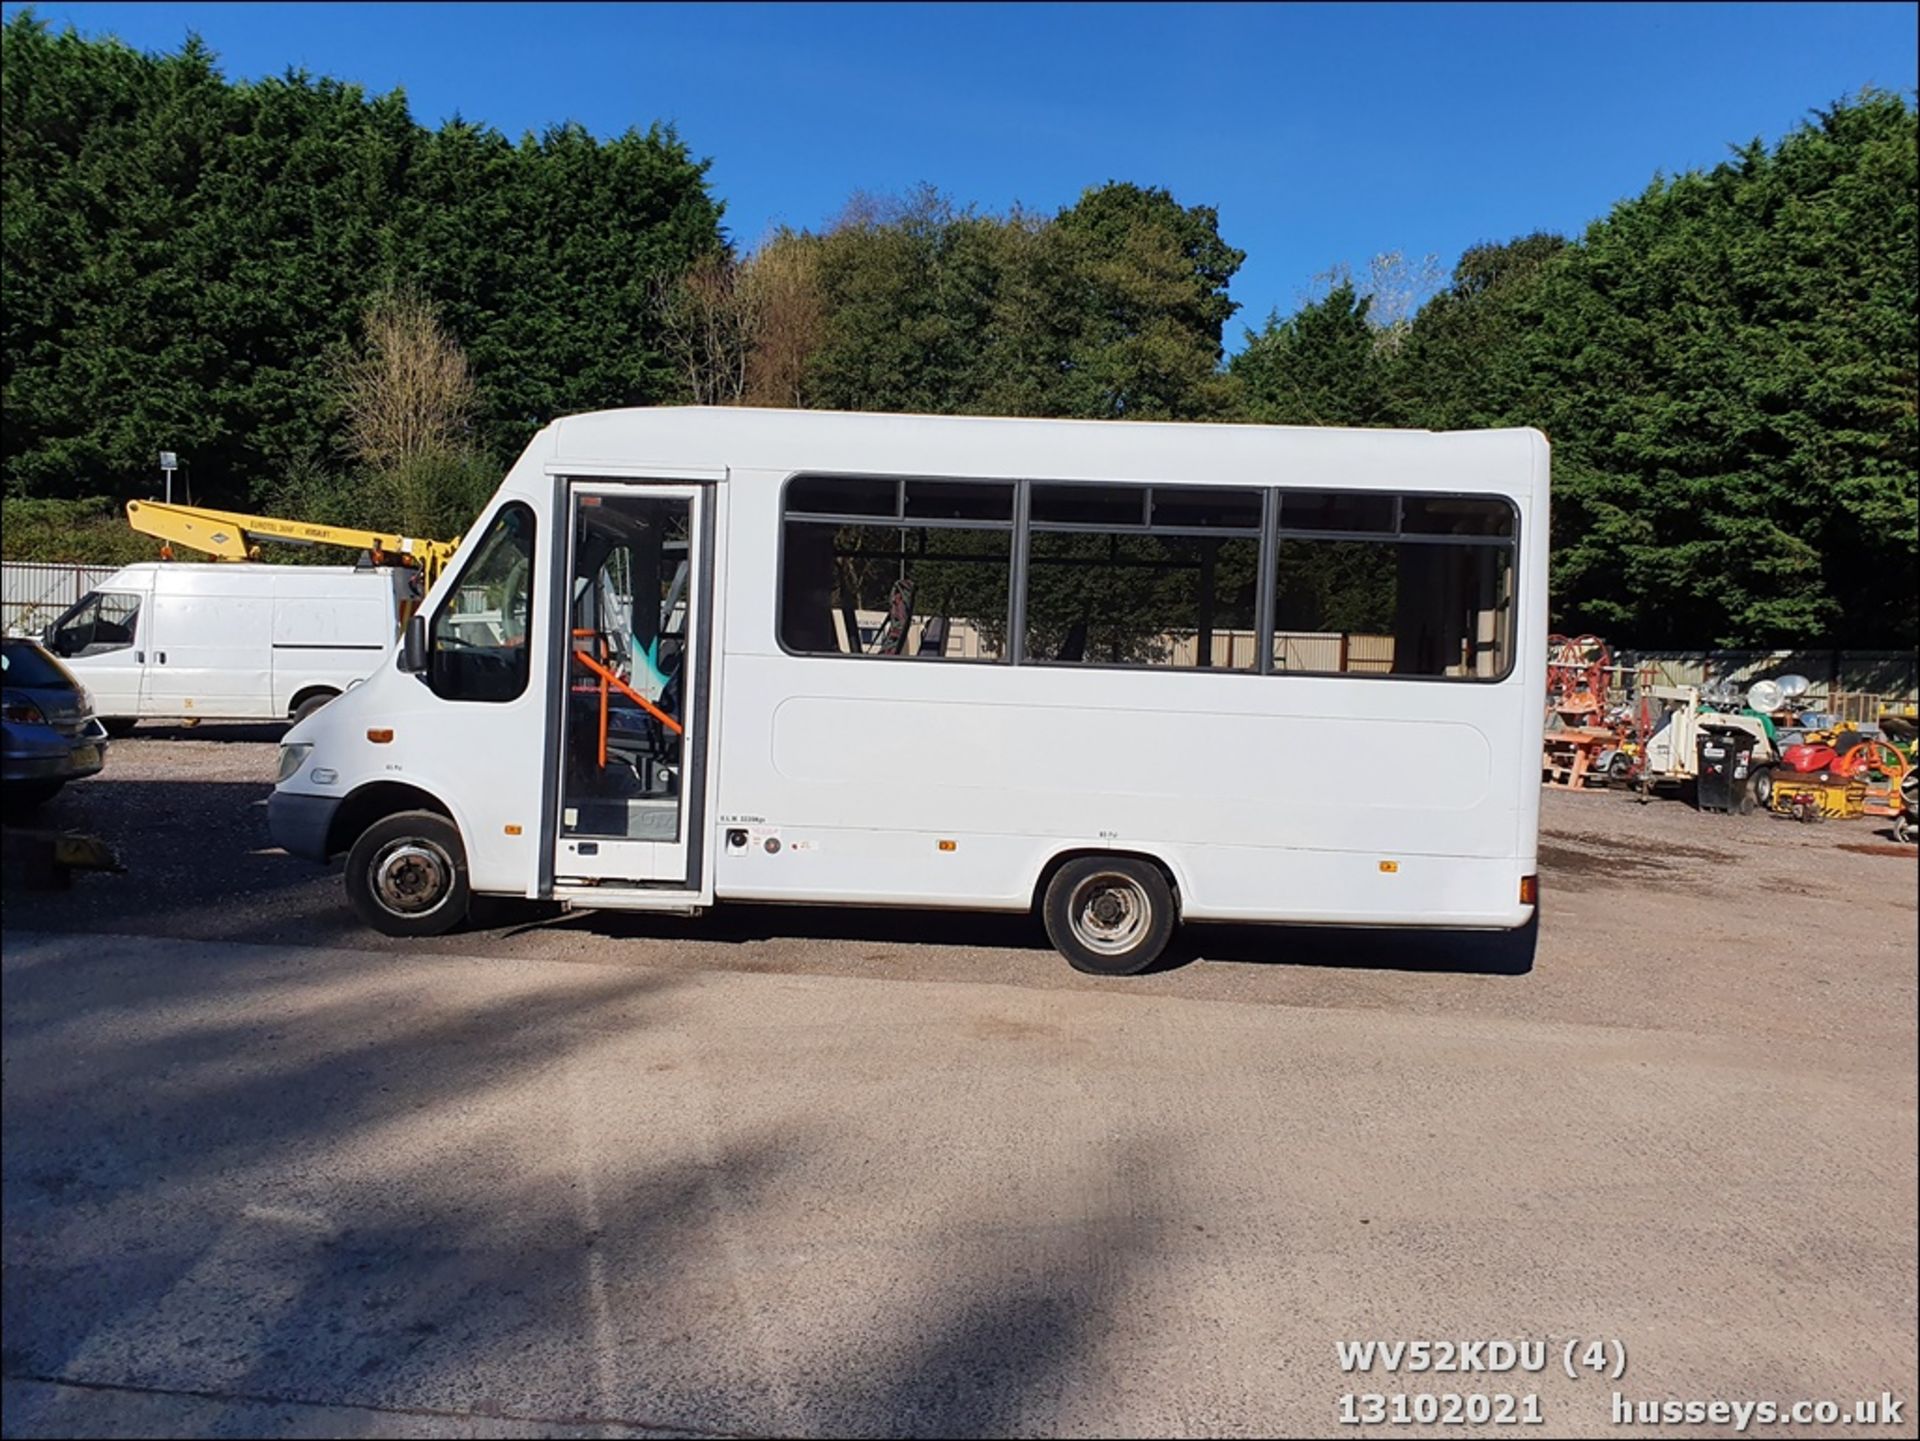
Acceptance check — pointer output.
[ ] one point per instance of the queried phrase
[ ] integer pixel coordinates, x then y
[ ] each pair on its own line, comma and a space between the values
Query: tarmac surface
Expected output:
809, 1172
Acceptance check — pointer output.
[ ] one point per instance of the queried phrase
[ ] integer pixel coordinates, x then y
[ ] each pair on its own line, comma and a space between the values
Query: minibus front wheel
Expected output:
407, 875
1109, 916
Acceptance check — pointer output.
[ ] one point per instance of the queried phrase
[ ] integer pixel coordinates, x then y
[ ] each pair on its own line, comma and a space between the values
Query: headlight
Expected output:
291, 759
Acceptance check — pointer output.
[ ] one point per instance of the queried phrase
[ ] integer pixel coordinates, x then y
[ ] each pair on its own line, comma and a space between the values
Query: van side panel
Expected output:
329, 632
207, 648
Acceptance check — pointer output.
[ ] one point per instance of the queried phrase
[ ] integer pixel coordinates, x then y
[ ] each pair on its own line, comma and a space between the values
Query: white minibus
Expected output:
1126, 673
232, 640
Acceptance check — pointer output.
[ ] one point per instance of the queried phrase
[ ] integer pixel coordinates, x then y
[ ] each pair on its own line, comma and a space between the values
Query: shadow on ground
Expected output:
245, 1172
1354, 947
201, 864
1373, 948
220, 732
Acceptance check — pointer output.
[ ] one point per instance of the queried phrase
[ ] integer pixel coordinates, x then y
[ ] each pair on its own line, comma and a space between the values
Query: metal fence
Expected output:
1879, 672
37, 591
1856, 685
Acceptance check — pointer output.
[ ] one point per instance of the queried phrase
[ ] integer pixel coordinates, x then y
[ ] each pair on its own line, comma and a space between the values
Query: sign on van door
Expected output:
208, 656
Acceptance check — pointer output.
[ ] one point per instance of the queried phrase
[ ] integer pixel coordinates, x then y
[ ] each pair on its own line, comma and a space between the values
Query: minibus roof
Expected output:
703, 439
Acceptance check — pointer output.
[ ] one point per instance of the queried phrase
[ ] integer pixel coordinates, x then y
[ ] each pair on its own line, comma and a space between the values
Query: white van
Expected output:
230, 641
1125, 672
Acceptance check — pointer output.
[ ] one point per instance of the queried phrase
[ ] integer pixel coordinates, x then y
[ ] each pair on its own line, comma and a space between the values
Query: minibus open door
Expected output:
629, 719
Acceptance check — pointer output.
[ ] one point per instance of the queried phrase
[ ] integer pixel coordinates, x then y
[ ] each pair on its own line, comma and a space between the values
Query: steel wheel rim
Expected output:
1110, 913
411, 877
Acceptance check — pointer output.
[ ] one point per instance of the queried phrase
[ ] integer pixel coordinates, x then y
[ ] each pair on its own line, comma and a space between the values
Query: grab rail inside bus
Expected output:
608, 678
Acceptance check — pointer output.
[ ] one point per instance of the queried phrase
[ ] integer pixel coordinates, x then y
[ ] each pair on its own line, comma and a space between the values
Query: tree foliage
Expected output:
183, 259
1727, 366
1323, 365
409, 393
1112, 308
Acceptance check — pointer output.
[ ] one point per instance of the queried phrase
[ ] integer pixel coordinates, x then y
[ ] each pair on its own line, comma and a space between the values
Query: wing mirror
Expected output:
413, 644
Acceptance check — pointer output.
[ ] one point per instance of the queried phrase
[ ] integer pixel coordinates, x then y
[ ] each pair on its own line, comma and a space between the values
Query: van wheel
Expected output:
120, 726
1109, 917
407, 875
311, 704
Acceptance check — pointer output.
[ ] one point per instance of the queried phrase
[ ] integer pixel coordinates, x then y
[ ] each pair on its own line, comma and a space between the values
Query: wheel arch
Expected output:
377, 800
1108, 853
308, 692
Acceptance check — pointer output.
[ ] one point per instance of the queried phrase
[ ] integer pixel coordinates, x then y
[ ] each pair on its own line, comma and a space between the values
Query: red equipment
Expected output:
1578, 670
1577, 737
1808, 758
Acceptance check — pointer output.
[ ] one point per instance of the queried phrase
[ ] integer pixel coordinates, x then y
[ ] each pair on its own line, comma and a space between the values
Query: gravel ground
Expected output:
1824, 913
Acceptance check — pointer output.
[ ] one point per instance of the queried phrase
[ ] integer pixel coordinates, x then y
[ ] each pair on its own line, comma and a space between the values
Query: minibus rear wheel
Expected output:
1109, 916
407, 875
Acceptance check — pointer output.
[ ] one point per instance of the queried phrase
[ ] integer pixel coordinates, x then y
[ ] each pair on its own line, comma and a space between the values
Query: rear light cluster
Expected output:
1529, 890
21, 711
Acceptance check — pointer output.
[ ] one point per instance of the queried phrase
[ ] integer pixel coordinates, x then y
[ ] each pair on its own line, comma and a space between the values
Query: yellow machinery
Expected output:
1819, 796
227, 536
1862, 780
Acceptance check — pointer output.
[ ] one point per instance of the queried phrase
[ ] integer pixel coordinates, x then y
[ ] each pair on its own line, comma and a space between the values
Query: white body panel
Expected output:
1332, 798
241, 641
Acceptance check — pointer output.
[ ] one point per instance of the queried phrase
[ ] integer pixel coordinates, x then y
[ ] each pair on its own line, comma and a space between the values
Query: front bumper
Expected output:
299, 824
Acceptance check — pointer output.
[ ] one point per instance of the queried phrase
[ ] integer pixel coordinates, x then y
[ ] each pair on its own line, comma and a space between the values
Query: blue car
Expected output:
50, 733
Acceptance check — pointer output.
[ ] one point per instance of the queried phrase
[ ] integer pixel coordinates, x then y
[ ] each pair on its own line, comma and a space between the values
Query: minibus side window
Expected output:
1133, 575
477, 643
1418, 586
896, 568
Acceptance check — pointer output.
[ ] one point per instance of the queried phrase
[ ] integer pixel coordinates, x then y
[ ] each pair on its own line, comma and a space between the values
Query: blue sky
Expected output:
1322, 134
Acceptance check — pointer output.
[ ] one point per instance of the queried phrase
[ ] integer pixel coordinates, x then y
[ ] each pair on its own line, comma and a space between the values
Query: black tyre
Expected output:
119, 726
29, 795
311, 704
1761, 787
407, 875
1109, 917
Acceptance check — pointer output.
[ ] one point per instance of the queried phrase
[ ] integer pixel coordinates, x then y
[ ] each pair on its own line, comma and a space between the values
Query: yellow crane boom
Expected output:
226, 535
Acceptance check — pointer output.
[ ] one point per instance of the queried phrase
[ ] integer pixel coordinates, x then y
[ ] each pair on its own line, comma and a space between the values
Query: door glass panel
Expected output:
102, 622
628, 671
